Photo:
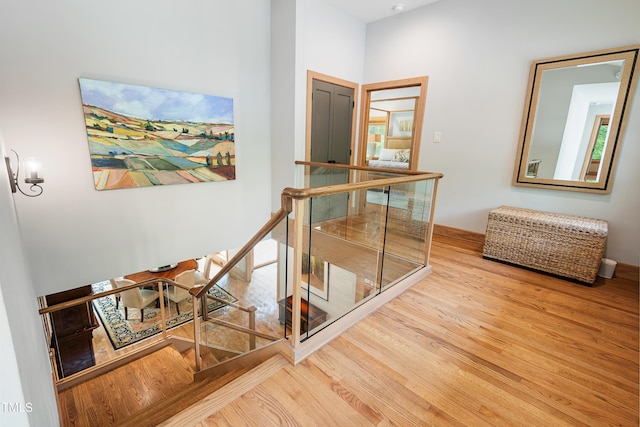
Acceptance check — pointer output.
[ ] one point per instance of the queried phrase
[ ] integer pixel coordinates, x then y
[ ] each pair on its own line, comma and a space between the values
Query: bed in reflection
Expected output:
395, 155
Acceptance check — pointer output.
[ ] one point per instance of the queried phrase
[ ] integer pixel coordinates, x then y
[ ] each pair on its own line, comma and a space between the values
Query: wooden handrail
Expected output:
261, 234
289, 194
305, 193
78, 301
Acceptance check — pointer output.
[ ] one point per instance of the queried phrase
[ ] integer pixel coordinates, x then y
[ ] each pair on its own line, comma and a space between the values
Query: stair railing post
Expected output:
298, 229
252, 326
162, 309
196, 330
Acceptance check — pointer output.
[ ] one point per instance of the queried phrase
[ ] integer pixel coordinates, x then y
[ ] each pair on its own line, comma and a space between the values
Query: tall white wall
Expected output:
73, 234
306, 35
333, 42
477, 56
26, 389
283, 76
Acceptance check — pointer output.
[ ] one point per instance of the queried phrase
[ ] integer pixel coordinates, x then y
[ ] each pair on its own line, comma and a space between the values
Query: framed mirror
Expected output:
391, 123
574, 117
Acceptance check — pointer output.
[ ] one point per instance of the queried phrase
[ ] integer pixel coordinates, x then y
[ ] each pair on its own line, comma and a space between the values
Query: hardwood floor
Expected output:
475, 343
111, 398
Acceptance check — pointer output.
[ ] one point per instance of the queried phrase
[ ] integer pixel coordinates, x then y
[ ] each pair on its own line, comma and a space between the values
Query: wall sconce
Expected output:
32, 171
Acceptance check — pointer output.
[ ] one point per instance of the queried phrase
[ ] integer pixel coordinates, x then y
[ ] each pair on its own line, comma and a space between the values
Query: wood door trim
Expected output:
366, 90
312, 75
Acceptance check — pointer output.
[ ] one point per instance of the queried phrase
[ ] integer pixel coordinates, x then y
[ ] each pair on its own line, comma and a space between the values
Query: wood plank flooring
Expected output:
110, 398
476, 343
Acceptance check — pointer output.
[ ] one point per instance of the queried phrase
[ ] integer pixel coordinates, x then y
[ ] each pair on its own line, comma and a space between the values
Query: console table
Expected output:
310, 315
182, 266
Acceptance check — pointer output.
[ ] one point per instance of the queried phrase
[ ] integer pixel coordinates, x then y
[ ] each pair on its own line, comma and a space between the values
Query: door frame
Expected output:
421, 82
312, 75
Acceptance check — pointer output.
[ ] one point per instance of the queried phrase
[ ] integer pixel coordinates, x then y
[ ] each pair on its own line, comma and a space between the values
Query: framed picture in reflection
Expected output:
315, 276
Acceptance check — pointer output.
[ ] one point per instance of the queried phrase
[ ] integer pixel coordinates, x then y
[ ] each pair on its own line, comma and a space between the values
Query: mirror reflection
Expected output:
392, 118
574, 120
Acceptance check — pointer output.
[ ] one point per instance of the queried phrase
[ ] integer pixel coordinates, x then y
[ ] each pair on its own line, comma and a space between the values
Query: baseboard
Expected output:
623, 271
457, 233
627, 271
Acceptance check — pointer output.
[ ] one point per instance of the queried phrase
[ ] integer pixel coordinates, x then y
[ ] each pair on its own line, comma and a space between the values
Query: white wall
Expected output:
306, 35
283, 60
477, 56
73, 234
26, 390
334, 42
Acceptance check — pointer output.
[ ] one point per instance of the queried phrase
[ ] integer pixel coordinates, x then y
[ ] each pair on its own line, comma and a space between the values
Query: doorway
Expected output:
391, 123
331, 117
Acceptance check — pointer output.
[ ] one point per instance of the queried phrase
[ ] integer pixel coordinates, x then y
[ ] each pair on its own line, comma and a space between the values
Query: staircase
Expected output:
147, 391
166, 386
212, 357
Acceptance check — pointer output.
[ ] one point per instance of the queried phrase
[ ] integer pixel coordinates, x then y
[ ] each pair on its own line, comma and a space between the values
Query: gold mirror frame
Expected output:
416, 121
531, 170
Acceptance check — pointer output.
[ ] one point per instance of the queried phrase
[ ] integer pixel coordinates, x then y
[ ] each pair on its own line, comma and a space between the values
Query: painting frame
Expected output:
142, 136
319, 276
401, 123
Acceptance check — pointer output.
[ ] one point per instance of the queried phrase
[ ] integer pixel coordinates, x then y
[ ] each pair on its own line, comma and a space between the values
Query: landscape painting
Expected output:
141, 136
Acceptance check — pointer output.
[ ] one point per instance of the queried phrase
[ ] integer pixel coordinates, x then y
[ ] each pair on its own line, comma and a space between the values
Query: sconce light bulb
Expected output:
32, 168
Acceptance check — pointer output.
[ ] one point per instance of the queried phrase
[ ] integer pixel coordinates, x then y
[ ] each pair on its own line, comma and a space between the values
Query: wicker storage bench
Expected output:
564, 245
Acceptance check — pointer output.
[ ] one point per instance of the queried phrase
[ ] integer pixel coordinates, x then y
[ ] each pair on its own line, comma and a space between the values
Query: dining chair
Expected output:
114, 285
135, 298
203, 277
176, 293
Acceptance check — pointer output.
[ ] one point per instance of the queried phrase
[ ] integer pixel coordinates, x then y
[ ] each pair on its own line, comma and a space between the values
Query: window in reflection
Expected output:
591, 168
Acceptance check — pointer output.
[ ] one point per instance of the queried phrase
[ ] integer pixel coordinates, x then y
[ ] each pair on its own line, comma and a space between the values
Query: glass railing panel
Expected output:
349, 257
220, 343
224, 335
405, 242
359, 220
340, 262
254, 286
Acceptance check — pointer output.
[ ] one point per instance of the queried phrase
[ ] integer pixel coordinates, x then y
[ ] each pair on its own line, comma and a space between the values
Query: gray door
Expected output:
331, 114
331, 123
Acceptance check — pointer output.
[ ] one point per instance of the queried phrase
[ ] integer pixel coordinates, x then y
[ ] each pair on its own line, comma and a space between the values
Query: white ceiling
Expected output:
373, 10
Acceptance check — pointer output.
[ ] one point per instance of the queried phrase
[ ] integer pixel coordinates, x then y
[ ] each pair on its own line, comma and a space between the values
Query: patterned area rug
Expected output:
123, 332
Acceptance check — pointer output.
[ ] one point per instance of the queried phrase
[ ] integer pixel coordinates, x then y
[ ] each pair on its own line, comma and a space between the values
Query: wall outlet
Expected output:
437, 136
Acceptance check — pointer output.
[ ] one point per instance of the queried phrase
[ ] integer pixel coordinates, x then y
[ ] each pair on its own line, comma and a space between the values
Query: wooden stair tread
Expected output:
197, 392
209, 358
218, 398
181, 400
152, 378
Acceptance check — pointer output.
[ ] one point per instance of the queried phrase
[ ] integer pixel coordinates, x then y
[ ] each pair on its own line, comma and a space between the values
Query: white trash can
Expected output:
607, 268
